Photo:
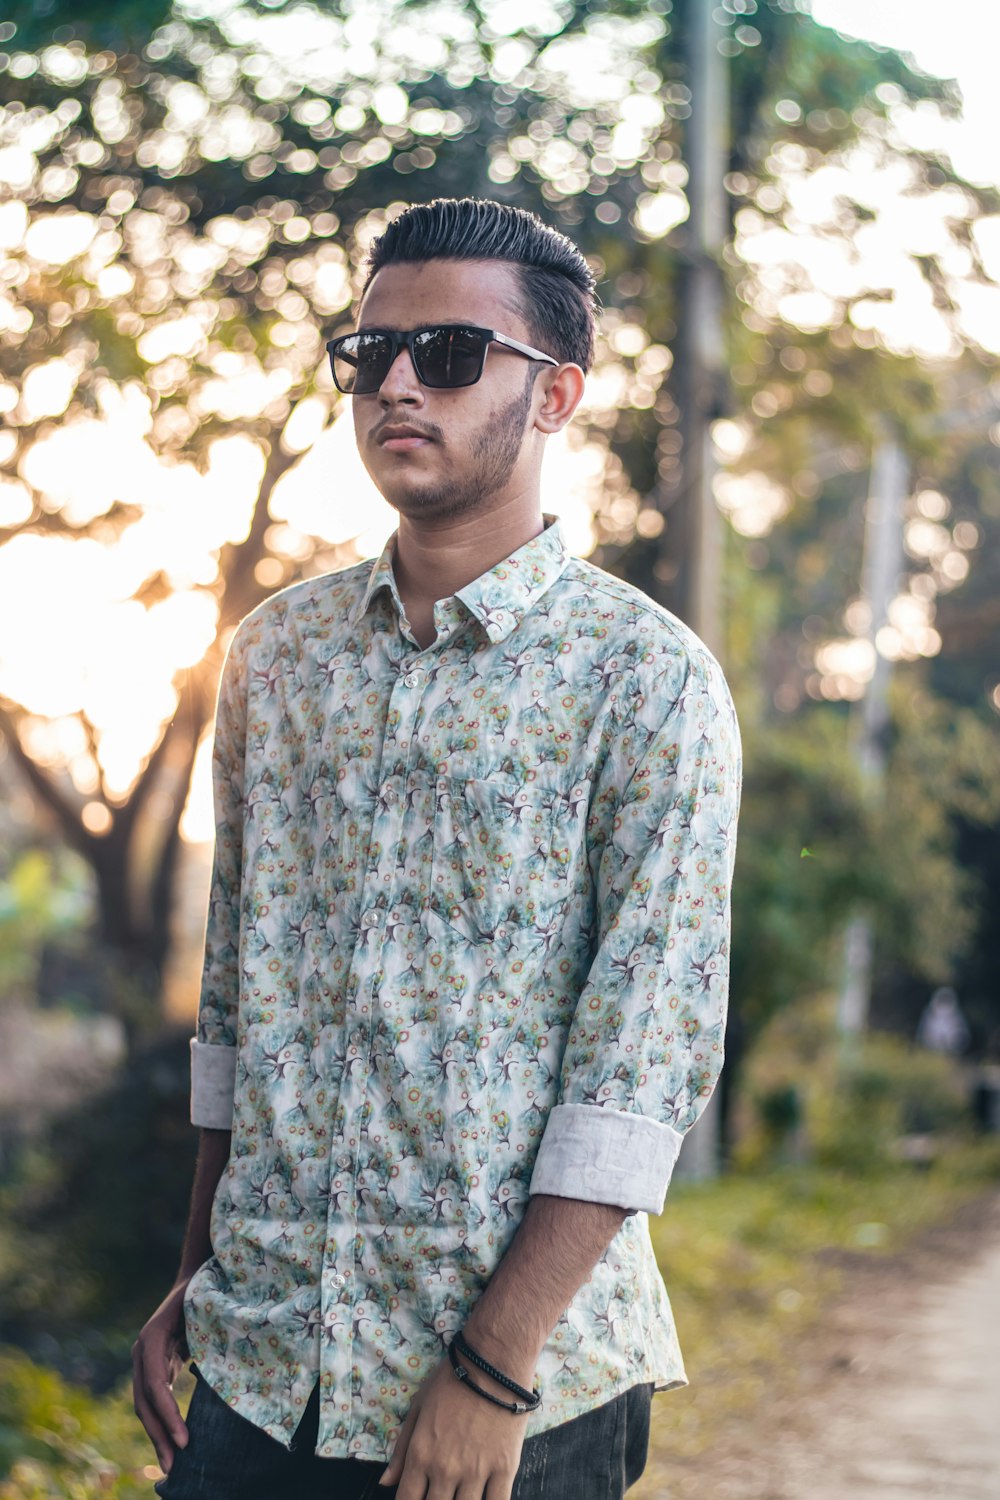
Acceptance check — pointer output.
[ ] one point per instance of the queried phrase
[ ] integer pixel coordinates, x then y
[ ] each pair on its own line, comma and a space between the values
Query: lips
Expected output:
401, 439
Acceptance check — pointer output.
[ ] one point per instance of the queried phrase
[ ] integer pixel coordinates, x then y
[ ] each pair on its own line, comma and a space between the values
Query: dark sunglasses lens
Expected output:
449, 356
360, 362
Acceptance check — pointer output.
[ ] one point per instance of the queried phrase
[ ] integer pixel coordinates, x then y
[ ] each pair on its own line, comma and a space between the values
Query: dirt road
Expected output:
897, 1398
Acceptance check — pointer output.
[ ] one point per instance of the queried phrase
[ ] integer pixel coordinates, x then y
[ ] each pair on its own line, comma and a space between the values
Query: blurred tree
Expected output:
93, 1214
191, 192
40, 898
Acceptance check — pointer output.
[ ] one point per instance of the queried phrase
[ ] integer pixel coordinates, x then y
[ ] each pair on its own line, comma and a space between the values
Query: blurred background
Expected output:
790, 439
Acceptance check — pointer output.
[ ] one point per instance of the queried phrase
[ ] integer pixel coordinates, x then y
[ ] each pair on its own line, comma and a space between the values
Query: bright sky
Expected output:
961, 40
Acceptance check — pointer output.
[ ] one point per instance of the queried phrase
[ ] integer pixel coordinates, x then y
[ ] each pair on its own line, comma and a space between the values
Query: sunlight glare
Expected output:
60, 237
47, 389
13, 224
753, 502
198, 817
15, 502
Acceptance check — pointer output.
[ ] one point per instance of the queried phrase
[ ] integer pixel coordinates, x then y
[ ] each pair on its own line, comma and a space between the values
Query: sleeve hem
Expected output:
213, 1085
604, 1155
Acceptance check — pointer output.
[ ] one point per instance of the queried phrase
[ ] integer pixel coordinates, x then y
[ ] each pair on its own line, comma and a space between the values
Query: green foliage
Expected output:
807, 1095
815, 843
944, 766
781, 1109
800, 790
41, 897
92, 1218
121, 28
890, 1090
57, 1442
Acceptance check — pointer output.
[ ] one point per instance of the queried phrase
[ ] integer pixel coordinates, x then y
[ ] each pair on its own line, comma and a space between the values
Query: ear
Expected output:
561, 390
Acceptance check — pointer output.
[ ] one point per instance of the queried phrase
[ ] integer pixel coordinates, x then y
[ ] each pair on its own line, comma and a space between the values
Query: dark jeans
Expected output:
594, 1457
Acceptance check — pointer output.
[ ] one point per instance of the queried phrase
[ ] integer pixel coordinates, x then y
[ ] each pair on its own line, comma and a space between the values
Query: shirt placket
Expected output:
339, 1289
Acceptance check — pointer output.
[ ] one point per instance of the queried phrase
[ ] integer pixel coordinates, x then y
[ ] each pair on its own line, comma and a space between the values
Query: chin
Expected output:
405, 487
435, 504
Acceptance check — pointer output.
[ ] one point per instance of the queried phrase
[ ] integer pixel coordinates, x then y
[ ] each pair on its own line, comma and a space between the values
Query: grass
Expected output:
748, 1265
58, 1442
744, 1262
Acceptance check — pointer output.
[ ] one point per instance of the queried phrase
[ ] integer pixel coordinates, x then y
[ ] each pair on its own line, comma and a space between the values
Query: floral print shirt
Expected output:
468, 940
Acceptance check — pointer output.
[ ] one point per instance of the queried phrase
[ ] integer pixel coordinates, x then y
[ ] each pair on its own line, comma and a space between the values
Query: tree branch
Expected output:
54, 523
191, 717
146, 780
58, 804
239, 560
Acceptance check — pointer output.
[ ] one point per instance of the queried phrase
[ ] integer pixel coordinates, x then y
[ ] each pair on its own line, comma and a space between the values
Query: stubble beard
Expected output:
494, 451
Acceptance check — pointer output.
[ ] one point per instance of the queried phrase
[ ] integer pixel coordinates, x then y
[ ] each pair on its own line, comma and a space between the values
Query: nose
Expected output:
401, 383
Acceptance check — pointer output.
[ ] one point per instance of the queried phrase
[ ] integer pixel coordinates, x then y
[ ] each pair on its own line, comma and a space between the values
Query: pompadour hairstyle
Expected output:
557, 299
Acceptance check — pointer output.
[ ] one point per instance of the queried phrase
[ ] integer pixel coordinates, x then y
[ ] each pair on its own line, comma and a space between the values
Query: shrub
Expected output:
57, 1440
890, 1089
806, 1096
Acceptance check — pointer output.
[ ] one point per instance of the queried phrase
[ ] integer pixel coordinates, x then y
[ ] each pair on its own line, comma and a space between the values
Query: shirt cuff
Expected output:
213, 1084
606, 1156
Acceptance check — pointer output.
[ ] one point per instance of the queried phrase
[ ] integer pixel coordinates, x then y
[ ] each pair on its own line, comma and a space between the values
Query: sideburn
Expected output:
499, 446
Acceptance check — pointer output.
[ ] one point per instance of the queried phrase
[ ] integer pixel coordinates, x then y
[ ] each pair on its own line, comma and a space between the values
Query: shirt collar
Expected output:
380, 577
499, 598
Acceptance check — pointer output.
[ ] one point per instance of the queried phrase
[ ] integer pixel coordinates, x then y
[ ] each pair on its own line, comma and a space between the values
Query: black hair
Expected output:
558, 302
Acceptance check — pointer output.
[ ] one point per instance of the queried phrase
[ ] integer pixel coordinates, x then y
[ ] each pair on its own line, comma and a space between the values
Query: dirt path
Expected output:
898, 1398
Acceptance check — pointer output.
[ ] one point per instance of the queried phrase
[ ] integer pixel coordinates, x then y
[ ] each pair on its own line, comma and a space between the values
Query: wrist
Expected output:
488, 1382
190, 1265
515, 1359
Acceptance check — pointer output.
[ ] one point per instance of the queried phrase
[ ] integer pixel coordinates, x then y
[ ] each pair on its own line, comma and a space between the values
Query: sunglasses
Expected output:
445, 356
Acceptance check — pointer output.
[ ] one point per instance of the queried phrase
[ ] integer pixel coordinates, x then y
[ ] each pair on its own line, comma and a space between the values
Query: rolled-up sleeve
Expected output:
645, 1047
213, 1049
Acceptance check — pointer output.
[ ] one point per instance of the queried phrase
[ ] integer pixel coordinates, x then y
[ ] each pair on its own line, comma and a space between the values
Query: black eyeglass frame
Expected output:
407, 340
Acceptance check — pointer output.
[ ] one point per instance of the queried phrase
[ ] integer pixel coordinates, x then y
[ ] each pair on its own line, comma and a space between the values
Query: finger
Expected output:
177, 1342
155, 1432
471, 1490
415, 1483
162, 1400
151, 1388
499, 1487
154, 1429
444, 1489
393, 1473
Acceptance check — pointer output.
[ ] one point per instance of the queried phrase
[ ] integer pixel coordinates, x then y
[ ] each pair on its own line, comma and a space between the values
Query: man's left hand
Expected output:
454, 1445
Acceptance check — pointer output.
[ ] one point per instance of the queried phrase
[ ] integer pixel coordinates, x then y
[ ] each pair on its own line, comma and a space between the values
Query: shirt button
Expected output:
389, 795
412, 679
344, 1160
337, 1280
371, 918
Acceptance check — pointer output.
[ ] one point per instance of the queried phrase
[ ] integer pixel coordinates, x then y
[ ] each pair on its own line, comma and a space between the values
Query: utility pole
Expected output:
682, 567
702, 343
701, 366
881, 568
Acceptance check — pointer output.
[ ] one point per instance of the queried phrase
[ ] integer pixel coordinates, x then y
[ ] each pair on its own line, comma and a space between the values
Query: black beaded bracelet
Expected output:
530, 1399
518, 1408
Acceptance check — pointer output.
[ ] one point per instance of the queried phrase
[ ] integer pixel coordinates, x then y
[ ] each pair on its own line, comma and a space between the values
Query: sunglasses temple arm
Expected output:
503, 338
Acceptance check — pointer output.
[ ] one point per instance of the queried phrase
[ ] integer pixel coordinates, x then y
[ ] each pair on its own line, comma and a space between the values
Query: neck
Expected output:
433, 562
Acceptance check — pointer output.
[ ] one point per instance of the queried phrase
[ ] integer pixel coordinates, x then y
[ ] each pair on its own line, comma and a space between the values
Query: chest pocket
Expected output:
490, 871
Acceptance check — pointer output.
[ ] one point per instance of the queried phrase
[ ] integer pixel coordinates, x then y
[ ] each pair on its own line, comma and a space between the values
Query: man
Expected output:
467, 950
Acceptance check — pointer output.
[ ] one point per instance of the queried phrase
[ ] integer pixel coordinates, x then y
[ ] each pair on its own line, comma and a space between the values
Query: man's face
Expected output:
440, 454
